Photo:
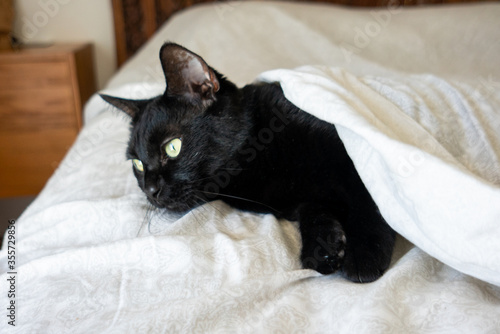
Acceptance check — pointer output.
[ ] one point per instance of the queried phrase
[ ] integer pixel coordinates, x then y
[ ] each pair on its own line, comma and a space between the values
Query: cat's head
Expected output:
180, 139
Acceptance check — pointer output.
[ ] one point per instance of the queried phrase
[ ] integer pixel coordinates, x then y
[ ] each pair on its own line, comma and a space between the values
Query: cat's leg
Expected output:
323, 239
370, 243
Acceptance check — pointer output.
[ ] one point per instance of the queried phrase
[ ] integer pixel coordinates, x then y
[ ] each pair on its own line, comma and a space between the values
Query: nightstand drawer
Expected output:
45, 109
20, 76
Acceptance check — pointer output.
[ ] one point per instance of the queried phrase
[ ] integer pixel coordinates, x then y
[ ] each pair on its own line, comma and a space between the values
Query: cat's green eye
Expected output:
173, 148
138, 165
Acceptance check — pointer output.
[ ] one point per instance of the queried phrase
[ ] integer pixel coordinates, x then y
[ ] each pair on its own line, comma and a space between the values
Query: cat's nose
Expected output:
152, 190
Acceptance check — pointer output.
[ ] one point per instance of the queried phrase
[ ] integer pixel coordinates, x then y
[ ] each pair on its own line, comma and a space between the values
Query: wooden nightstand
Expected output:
42, 92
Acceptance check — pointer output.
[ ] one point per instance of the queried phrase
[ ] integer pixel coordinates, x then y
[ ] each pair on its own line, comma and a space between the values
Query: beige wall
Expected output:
49, 21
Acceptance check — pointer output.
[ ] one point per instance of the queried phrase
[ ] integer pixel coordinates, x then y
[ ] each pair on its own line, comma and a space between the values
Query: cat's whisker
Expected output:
151, 210
195, 218
193, 213
203, 204
242, 199
140, 227
146, 219
213, 207
193, 182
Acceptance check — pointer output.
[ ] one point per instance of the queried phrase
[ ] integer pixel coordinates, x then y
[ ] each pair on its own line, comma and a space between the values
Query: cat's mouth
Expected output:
177, 207
175, 199
156, 203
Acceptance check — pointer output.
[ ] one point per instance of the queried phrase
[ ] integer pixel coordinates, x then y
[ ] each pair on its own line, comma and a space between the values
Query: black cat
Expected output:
205, 139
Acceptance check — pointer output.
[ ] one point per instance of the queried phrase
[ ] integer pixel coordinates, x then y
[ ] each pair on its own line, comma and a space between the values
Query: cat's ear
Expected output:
188, 75
131, 107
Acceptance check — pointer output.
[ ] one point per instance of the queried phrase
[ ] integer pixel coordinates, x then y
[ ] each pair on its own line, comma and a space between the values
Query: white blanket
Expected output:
428, 150
91, 258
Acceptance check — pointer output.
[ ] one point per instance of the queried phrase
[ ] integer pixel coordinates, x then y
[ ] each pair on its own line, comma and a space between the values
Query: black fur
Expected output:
254, 150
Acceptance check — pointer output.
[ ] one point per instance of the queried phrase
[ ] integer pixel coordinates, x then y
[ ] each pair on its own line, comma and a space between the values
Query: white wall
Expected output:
52, 21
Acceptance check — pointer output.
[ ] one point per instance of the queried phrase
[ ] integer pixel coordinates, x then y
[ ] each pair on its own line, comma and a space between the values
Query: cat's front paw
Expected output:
324, 250
368, 258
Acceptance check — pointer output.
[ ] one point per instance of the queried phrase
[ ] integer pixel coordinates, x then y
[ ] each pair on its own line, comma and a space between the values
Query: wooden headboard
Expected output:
137, 20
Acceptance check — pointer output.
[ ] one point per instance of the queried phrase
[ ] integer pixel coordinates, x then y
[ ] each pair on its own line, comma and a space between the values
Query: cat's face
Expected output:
163, 146
179, 140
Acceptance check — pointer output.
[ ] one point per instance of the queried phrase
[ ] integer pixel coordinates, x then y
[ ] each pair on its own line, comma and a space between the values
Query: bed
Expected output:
415, 95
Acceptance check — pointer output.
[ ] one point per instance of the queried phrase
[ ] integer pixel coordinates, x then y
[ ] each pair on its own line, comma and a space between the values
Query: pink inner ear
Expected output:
197, 72
186, 73
194, 71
